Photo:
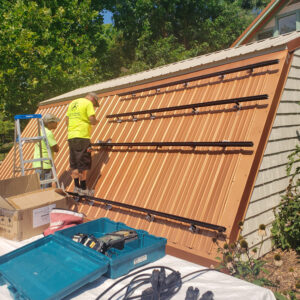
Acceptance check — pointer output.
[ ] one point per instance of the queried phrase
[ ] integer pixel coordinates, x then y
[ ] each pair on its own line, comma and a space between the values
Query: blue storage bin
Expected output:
49, 268
147, 248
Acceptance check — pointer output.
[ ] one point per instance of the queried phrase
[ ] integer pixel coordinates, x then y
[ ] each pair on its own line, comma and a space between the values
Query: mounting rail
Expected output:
178, 144
150, 212
189, 106
214, 74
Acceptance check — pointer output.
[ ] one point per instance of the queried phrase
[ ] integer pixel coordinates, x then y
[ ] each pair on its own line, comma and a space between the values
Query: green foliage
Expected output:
47, 48
286, 227
159, 32
291, 294
6, 135
240, 262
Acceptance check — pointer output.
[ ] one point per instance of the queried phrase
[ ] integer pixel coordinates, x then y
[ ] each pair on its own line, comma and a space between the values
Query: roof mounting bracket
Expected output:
152, 117
193, 228
195, 110
237, 106
185, 85
91, 202
158, 90
150, 218
119, 120
134, 119
108, 206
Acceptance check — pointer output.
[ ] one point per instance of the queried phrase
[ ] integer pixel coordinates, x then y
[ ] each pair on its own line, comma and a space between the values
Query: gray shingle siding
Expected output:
272, 178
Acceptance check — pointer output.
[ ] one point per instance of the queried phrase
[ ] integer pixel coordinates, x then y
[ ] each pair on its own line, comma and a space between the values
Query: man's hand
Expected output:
93, 120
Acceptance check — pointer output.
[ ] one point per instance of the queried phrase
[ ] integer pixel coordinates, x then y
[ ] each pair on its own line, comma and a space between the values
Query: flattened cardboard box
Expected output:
25, 208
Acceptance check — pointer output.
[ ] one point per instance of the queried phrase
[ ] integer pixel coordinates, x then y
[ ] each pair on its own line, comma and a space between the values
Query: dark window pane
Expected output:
287, 24
265, 34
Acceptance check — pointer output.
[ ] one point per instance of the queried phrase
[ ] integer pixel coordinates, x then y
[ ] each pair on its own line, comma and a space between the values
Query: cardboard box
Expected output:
25, 208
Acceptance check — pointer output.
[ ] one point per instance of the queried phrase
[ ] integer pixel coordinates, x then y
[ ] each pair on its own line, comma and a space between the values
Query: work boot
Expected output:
77, 190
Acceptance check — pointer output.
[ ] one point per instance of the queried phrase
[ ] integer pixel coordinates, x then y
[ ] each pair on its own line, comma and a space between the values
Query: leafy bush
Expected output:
238, 260
286, 227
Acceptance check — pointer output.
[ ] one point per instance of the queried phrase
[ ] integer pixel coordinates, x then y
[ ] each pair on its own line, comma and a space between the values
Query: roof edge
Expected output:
119, 86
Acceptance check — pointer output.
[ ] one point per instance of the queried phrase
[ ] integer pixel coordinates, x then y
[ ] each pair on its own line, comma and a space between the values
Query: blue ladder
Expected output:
19, 141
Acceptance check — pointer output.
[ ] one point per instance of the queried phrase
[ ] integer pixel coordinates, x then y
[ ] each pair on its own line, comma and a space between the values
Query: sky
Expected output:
107, 16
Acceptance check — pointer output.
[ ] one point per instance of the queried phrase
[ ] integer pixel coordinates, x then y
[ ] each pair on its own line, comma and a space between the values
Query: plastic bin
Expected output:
147, 248
49, 268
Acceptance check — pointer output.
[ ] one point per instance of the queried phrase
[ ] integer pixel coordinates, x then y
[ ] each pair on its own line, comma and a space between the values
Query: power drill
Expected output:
116, 239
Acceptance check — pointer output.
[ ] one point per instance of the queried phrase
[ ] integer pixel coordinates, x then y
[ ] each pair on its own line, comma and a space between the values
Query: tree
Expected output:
48, 48
156, 32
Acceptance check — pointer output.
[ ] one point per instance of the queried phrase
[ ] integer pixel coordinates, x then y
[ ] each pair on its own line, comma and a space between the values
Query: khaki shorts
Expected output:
80, 159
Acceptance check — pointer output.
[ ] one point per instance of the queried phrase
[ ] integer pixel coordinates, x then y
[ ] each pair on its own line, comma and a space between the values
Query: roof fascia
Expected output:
293, 45
261, 19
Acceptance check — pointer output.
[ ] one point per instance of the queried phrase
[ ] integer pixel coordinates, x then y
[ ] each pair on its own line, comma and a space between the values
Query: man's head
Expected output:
93, 98
50, 121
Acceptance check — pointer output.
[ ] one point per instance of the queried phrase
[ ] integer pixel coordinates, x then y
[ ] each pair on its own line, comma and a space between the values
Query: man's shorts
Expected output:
79, 157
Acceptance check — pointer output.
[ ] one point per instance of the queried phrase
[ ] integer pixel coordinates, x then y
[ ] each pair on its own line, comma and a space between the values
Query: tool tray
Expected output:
147, 248
49, 268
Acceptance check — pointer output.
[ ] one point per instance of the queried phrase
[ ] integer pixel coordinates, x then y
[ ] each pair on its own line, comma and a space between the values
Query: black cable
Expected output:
168, 290
134, 281
129, 275
128, 285
199, 271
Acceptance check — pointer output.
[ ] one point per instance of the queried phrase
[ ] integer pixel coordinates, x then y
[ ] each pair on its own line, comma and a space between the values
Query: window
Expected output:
287, 23
265, 34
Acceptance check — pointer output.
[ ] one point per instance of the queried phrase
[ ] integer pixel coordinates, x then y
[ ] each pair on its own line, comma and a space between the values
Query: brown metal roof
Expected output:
209, 184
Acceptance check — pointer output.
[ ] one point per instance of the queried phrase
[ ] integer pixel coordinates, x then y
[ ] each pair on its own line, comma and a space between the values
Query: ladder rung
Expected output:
34, 160
32, 139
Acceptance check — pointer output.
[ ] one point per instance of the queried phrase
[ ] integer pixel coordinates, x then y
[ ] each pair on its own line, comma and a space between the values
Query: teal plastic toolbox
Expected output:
147, 248
49, 268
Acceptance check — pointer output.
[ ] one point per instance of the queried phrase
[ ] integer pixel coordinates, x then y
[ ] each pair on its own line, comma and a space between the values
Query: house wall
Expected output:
272, 179
272, 23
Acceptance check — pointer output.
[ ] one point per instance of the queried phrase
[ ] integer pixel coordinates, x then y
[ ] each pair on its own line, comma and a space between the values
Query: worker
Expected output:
45, 172
79, 118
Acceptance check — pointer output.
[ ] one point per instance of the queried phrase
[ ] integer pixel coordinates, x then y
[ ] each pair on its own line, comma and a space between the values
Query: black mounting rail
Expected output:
151, 212
178, 144
189, 106
186, 81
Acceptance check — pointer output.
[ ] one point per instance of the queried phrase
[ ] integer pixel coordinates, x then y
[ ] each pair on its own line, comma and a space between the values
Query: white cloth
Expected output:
224, 287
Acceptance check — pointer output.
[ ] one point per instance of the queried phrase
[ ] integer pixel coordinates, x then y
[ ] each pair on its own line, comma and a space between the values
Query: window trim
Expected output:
290, 13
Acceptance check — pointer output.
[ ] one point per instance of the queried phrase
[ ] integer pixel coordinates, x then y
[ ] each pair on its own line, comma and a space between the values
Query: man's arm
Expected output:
93, 120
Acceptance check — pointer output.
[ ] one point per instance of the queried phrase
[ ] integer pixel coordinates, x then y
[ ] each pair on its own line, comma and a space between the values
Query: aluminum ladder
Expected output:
19, 141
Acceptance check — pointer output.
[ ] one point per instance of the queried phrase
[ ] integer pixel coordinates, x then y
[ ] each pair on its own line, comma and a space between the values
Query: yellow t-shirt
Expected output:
52, 142
79, 111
